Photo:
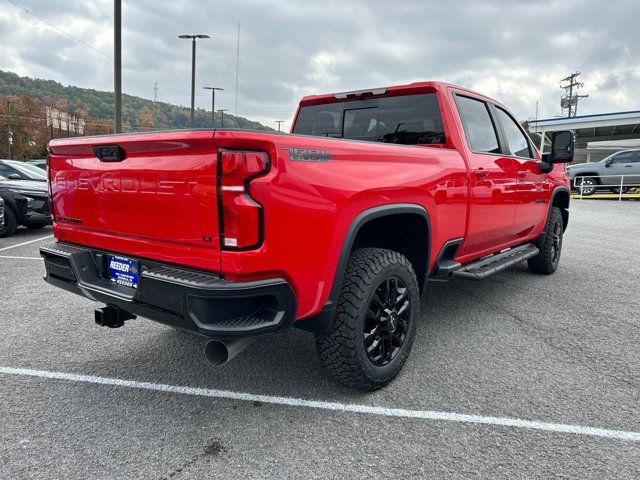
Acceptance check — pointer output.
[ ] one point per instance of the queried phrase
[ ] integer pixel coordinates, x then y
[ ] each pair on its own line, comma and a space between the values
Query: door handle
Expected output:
628, 166
481, 172
109, 153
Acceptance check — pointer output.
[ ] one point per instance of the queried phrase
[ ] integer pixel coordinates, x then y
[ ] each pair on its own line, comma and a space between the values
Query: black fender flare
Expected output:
322, 322
552, 199
539, 241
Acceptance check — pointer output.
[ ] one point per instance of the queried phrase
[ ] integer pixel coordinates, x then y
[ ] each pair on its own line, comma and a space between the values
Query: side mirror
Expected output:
562, 146
14, 176
608, 162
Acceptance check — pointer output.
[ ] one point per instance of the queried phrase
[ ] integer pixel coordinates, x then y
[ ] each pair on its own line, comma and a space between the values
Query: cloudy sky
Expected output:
514, 51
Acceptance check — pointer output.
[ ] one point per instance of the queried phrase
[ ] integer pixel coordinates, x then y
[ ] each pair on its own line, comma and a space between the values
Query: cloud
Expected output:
515, 51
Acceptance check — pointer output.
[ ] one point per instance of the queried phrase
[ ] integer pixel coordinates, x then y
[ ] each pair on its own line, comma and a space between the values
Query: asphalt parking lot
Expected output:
561, 353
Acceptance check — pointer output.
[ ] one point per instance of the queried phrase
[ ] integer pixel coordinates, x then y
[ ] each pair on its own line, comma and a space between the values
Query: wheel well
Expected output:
561, 200
588, 174
407, 234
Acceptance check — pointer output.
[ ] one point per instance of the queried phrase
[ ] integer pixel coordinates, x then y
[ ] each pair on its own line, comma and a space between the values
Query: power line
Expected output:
29, 12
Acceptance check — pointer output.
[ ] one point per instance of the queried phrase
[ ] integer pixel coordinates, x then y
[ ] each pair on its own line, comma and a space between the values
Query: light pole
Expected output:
9, 141
9, 132
193, 69
117, 64
279, 122
222, 110
213, 103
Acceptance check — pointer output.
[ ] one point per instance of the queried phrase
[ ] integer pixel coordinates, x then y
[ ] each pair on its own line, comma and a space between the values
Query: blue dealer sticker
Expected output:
123, 271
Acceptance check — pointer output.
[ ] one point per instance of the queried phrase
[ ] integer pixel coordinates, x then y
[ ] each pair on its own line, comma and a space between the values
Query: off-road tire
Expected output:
10, 223
342, 350
546, 262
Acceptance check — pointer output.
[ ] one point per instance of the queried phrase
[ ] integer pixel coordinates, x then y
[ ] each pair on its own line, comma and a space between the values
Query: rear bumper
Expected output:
182, 298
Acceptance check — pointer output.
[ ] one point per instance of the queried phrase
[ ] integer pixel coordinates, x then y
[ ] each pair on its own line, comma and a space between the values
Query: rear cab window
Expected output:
407, 120
481, 133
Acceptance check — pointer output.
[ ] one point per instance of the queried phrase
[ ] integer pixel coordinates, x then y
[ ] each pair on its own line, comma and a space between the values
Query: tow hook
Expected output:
112, 317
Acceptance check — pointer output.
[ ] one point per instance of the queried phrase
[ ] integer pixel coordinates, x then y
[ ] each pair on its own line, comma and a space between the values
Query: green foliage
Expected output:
138, 114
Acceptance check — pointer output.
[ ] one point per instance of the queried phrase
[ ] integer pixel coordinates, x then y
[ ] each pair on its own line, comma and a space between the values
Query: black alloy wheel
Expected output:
556, 242
387, 321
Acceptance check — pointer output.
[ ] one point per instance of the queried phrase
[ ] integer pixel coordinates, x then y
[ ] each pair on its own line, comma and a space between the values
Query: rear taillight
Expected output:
240, 215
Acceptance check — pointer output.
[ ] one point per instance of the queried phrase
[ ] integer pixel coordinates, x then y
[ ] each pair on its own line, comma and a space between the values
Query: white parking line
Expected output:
20, 258
340, 407
25, 243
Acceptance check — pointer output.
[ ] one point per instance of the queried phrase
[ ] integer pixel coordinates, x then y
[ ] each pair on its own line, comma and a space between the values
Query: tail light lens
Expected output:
241, 215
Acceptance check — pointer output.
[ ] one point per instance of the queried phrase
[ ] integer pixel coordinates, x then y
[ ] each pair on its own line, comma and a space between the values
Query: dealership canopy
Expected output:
592, 128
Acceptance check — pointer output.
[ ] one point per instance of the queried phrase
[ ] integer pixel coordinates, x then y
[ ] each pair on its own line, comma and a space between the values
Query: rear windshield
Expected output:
408, 120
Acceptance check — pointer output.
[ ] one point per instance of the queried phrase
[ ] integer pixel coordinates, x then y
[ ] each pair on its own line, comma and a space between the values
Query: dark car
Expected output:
14, 170
1, 213
25, 203
41, 163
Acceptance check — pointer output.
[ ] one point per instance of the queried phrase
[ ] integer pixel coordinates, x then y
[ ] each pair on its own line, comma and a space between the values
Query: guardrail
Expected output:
578, 183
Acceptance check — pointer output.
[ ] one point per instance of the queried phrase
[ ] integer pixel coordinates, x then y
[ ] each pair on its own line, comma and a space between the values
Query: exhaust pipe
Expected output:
221, 352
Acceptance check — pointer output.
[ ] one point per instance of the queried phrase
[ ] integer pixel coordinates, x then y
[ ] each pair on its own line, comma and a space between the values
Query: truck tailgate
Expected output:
158, 202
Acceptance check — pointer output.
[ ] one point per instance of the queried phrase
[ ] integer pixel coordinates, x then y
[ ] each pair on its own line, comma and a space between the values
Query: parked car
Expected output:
593, 175
25, 203
334, 229
17, 209
14, 170
1, 213
41, 163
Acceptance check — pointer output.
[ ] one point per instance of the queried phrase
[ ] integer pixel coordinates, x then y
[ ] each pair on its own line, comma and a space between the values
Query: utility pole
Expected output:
570, 101
222, 110
117, 63
279, 122
213, 103
155, 92
193, 70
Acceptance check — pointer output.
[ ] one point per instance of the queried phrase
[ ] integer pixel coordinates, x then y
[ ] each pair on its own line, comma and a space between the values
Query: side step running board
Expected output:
497, 262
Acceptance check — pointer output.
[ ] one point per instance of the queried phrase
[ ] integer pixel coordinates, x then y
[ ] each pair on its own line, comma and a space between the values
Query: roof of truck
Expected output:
407, 89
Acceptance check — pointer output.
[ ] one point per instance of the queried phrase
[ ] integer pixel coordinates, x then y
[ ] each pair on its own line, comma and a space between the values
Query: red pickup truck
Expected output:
335, 228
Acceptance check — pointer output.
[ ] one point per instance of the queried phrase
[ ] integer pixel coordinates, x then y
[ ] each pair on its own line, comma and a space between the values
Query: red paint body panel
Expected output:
161, 201
309, 206
158, 203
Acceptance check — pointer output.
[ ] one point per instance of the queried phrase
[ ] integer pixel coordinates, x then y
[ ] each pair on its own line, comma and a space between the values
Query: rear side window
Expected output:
407, 120
516, 140
624, 157
478, 126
